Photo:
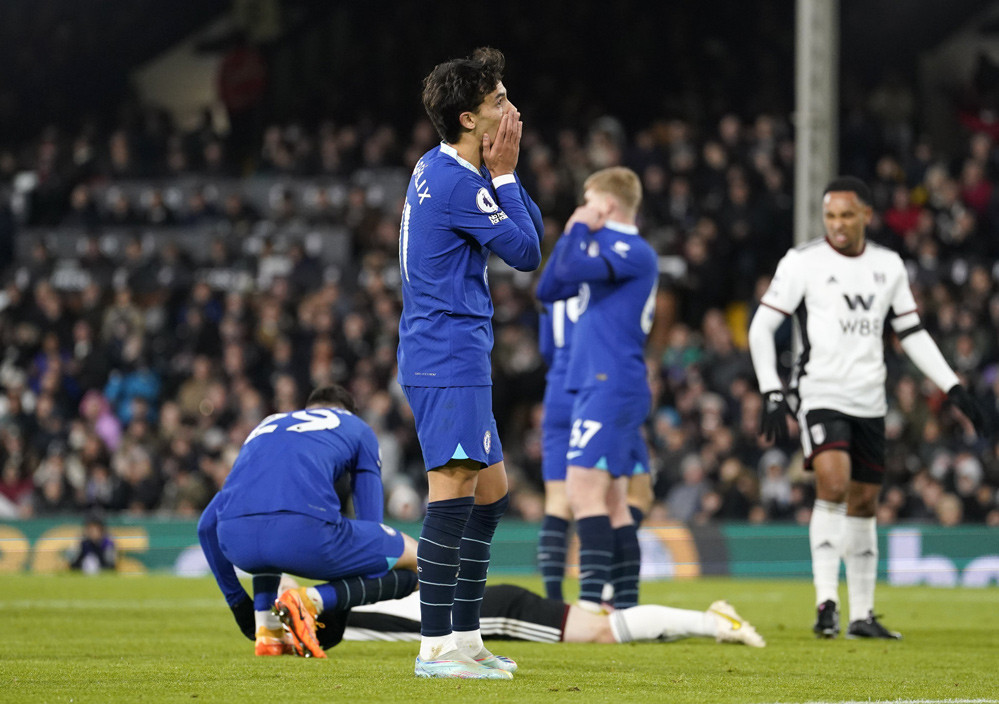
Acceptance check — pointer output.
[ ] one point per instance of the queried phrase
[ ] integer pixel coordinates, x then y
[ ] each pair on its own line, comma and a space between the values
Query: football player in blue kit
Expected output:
556, 324
278, 512
464, 202
556, 327
616, 273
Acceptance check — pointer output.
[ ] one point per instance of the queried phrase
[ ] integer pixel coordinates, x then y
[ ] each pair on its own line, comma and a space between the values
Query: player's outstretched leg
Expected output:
667, 624
298, 614
344, 594
733, 628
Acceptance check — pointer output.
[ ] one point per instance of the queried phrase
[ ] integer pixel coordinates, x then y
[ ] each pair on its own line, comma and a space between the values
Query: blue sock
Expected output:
475, 563
343, 594
637, 516
596, 552
265, 591
626, 567
437, 557
551, 554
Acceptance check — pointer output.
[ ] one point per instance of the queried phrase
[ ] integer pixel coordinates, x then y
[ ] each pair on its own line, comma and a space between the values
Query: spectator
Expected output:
96, 550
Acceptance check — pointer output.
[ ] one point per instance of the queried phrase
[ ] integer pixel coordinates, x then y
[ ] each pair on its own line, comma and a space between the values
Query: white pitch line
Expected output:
154, 603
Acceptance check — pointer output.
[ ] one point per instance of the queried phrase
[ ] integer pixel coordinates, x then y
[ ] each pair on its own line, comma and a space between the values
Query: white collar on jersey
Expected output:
453, 153
621, 227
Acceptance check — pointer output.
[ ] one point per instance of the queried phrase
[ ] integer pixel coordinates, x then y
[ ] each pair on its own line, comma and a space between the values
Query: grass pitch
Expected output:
166, 639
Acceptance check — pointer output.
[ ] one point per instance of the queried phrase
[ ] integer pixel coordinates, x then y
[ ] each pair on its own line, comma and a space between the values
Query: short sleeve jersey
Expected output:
842, 304
451, 214
291, 461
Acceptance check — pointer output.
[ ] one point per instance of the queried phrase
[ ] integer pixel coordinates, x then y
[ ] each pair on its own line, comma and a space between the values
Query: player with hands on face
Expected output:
464, 203
604, 261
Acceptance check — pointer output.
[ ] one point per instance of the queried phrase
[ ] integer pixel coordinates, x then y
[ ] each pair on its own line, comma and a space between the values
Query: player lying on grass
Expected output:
510, 612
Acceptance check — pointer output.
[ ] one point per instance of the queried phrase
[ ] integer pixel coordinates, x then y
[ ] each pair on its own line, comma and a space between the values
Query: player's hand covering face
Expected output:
499, 121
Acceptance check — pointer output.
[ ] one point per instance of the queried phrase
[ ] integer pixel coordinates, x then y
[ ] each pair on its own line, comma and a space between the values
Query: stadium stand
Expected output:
159, 300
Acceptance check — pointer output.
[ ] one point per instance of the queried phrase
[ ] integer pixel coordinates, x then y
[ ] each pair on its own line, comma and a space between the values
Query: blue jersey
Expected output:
454, 216
555, 341
290, 462
617, 274
557, 327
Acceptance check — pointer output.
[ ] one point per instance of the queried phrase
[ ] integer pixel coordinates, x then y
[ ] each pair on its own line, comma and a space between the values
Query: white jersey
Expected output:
399, 620
842, 303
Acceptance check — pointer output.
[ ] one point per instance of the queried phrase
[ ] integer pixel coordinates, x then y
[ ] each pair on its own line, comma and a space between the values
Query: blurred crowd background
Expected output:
166, 287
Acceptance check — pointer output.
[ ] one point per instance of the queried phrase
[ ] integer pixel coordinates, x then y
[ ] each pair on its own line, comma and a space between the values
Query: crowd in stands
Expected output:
160, 300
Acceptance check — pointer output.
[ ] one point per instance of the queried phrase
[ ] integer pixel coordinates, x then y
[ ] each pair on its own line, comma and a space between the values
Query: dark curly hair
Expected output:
851, 183
458, 86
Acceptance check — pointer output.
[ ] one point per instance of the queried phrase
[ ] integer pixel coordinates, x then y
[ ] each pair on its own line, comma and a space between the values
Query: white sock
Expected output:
826, 534
433, 647
470, 643
861, 557
653, 622
267, 619
591, 606
317, 598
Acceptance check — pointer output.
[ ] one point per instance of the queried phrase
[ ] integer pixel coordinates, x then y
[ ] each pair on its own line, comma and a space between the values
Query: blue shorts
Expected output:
555, 432
309, 547
606, 431
455, 423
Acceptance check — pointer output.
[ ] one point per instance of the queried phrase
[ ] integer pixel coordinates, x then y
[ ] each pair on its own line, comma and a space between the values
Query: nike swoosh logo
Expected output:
736, 623
573, 454
585, 575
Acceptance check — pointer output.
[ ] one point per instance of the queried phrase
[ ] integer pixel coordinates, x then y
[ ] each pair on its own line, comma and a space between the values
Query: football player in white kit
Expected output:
843, 290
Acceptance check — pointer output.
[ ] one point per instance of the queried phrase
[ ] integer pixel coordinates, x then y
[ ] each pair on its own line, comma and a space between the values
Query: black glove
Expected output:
959, 396
773, 419
330, 633
243, 613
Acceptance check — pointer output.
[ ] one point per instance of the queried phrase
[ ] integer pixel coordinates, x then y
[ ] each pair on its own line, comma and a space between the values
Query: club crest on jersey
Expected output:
621, 248
593, 250
818, 433
879, 277
389, 530
487, 441
485, 202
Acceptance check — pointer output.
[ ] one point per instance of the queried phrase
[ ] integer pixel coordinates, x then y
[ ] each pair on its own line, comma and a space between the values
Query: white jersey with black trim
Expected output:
399, 620
842, 304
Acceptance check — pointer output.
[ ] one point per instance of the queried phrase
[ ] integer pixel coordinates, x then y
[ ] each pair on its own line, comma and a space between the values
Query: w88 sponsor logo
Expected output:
861, 326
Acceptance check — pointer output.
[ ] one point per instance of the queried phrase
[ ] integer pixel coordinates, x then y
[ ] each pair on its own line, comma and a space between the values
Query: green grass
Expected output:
165, 639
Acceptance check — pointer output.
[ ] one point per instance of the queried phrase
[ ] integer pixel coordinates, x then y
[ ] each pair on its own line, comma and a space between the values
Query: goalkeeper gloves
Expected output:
959, 396
773, 419
243, 613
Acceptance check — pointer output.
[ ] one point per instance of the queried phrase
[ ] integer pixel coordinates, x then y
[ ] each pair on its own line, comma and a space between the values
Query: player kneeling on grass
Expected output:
278, 512
510, 612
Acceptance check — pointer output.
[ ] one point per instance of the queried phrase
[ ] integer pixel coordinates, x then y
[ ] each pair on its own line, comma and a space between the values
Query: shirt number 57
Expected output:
583, 431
